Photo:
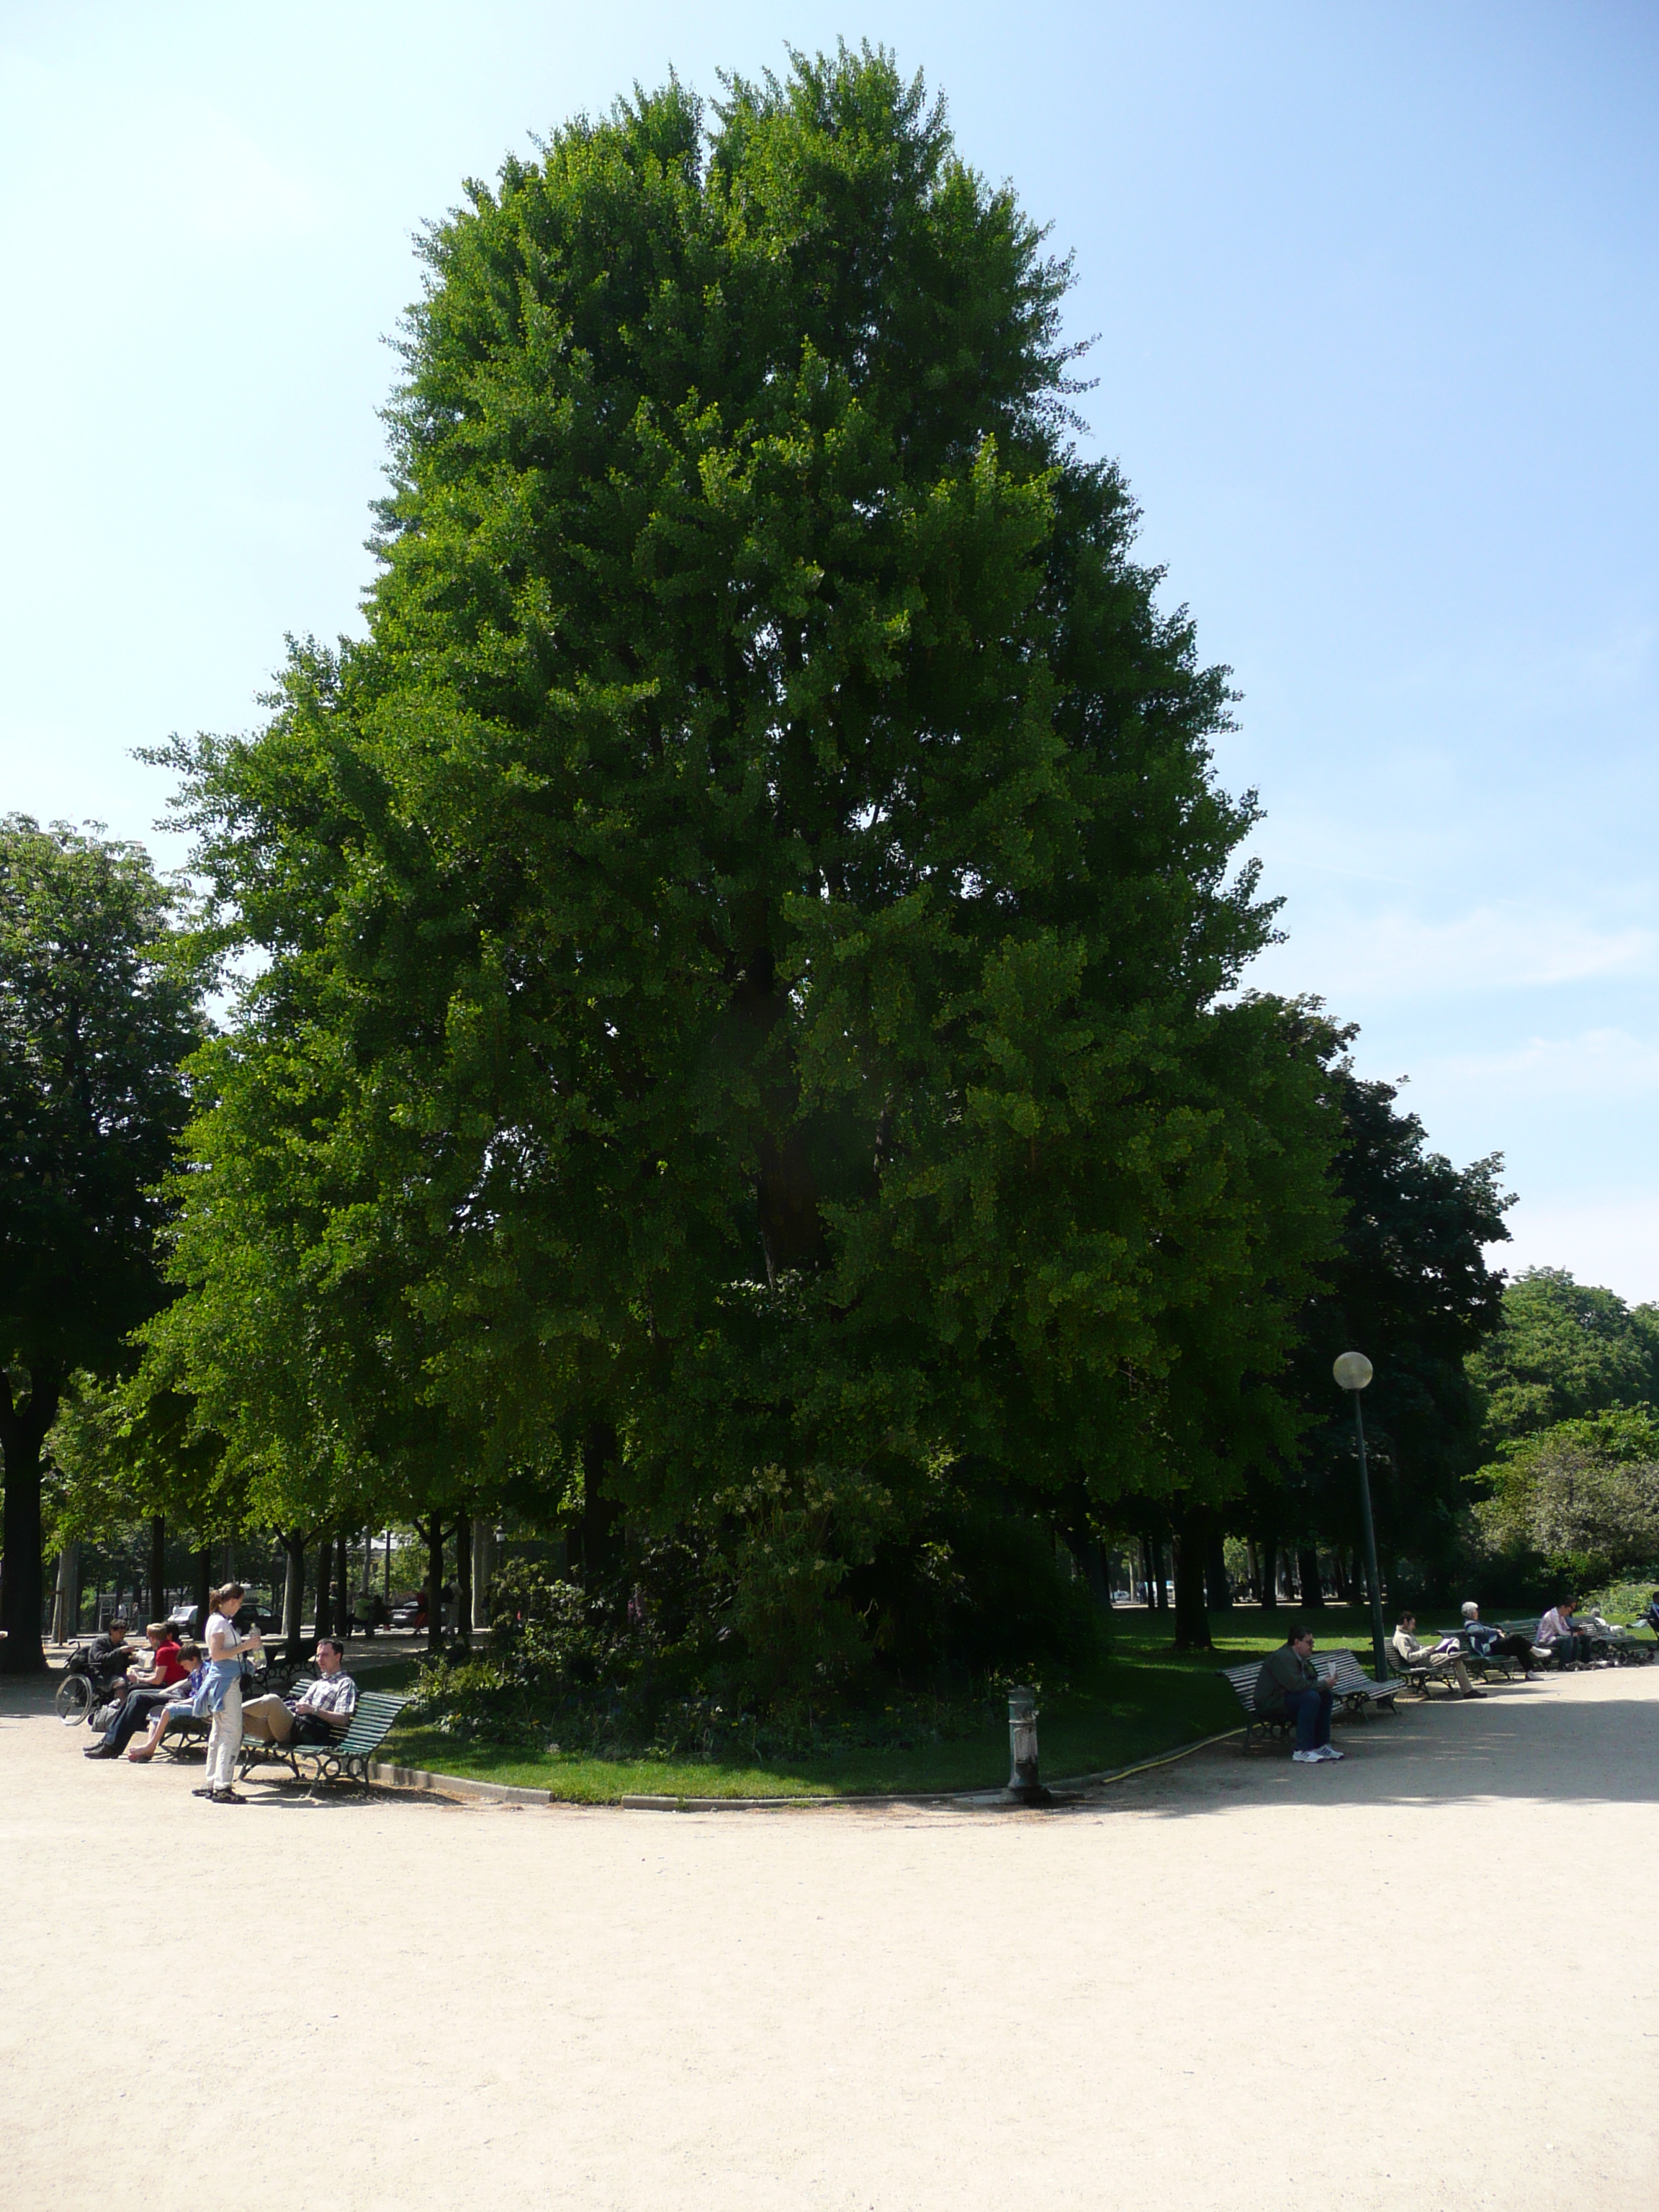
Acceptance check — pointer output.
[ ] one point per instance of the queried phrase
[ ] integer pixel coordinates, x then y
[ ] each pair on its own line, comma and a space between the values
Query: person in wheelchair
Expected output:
109, 1658
148, 1688
319, 1712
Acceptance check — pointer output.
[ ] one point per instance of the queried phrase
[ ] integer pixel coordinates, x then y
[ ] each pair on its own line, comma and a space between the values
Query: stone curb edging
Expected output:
502, 1793
419, 1777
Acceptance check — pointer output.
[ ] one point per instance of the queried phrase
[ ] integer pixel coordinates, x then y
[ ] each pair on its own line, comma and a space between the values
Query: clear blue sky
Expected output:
1376, 294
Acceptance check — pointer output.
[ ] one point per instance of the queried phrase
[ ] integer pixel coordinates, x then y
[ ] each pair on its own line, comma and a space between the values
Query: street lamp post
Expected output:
1353, 1372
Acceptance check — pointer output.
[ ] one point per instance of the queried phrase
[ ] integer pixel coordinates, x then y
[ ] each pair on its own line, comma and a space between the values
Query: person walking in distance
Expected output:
221, 1694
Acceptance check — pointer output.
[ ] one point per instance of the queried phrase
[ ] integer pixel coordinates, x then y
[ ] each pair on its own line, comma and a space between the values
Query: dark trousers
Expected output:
1311, 1712
133, 1715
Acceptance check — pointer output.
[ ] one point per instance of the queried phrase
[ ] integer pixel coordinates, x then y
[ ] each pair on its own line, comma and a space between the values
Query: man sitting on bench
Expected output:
1290, 1688
1494, 1642
321, 1713
1559, 1634
1441, 1658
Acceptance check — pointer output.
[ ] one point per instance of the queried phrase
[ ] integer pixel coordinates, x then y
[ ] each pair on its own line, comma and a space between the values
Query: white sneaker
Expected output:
1308, 1758
1330, 1751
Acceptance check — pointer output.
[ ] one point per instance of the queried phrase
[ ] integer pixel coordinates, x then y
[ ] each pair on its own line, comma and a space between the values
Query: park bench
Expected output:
1619, 1644
1480, 1664
1416, 1674
188, 1732
346, 1759
183, 1732
1355, 1692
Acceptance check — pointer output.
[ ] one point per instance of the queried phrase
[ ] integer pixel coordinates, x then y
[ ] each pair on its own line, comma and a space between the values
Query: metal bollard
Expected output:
1023, 1744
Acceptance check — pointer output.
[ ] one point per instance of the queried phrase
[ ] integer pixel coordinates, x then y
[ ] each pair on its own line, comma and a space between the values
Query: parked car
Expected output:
409, 1611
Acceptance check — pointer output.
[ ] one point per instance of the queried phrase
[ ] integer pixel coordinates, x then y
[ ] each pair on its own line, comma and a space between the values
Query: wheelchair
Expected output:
80, 1695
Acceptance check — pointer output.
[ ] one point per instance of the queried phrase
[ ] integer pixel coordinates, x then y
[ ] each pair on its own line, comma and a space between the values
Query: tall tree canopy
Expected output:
98, 1007
748, 936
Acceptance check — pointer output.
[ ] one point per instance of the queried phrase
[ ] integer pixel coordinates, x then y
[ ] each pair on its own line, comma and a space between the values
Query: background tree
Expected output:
1582, 1496
747, 937
1565, 1350
123, 1452
1412, 1289
100, 1002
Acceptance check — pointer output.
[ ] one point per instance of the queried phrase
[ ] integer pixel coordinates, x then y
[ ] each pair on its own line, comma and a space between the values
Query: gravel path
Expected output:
1427, 1977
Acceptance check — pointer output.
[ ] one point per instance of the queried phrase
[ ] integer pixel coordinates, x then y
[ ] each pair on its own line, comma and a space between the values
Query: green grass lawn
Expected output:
1144, 1700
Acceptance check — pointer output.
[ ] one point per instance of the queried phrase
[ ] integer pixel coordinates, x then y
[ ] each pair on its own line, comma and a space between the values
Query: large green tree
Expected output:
747, 938
99, 1005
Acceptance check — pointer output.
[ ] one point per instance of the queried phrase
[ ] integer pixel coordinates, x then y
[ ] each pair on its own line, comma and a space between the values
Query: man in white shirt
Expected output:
1445, 1658
321, 1713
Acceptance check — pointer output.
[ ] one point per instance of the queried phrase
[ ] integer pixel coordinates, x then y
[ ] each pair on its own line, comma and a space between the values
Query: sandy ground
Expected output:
1425, 1976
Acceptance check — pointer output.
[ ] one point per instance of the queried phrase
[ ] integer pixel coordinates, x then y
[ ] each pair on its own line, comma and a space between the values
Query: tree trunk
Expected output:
202, 1564
322, 1623
1100, 1580
1192, 1622
464, 1577
1160, 1577
22, 1593
158, 1567
1344, 1593
342, 1587
66, 1598
600, 1513
1084, 1547
433, 1533
1307, 1574
293, 1595
1218, 1589
484, 1566
1267, 1572
786, 1190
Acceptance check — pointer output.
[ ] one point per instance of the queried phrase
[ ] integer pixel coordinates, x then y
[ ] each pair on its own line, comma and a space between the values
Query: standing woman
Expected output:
221, 1694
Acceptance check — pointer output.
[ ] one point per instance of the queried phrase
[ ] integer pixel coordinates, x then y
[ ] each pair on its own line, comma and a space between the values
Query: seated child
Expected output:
191, 1654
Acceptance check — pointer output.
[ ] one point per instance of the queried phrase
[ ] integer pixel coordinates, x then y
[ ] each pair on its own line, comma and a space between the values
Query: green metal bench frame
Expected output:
345, 1760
